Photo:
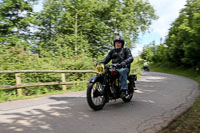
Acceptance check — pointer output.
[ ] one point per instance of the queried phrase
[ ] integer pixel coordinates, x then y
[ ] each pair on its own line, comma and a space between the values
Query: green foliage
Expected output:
17, 59
137, 66
75, 26
91, 24
182, 43
15, 21
147, 53
65, 35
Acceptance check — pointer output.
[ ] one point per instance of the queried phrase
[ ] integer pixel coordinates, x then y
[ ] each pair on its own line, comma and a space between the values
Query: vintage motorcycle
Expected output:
146, 68
105, 86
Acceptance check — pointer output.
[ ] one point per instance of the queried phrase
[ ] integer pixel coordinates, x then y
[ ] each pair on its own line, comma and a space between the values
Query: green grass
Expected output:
189, 122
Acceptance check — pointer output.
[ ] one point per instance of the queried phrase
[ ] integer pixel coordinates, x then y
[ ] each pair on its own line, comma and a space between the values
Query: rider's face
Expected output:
118, 45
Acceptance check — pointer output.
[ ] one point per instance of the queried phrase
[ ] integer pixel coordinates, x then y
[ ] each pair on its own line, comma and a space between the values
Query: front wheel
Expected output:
95, 96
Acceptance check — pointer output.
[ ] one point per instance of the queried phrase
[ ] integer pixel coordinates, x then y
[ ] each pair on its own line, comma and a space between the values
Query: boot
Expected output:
123, 93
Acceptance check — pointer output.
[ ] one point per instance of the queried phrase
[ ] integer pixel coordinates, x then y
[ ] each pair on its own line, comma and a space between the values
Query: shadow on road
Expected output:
71, 112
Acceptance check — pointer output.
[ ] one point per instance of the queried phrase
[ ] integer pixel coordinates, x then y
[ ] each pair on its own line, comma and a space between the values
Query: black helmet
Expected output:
119, 39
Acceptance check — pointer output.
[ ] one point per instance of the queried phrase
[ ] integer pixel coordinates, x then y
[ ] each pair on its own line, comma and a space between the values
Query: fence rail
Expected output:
48, 71
19, 85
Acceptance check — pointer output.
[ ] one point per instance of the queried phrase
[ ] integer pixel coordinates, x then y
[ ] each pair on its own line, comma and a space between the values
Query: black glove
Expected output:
123, 64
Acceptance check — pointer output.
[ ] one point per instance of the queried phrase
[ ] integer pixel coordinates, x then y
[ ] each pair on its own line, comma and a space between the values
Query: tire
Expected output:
130, 93
146, 69
91, 99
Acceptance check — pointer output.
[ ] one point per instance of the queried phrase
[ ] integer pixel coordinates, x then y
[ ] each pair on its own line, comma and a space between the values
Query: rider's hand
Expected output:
98, 64
123, 64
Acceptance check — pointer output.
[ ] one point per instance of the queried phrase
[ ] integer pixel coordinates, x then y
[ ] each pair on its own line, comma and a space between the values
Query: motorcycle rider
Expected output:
146, 65
122, 56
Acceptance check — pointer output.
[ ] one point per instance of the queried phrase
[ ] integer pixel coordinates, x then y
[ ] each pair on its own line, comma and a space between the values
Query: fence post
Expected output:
18, 81
63, 80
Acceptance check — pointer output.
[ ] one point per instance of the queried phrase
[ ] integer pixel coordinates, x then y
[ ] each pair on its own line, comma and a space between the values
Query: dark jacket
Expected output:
118, 56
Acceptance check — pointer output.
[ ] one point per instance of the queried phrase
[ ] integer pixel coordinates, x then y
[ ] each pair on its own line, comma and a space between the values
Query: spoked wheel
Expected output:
129, 96
95, 96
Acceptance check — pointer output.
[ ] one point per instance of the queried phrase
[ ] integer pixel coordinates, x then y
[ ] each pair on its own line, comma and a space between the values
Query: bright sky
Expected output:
167, 10
38, 6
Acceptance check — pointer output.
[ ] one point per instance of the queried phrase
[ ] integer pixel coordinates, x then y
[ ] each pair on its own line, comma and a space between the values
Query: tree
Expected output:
181, 46
94, 21
148, 52
15, 22
183, 39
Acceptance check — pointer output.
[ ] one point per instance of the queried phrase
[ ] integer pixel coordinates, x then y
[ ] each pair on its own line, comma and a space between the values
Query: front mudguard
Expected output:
94, 79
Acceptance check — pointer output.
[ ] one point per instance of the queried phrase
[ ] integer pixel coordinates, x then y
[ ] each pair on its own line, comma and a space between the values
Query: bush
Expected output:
18, 59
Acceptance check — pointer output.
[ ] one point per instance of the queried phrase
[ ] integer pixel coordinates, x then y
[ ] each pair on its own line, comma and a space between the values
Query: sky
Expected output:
38, 6
166, 10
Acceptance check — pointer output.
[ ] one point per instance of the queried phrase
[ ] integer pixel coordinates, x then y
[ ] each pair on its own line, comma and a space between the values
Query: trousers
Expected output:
123, 77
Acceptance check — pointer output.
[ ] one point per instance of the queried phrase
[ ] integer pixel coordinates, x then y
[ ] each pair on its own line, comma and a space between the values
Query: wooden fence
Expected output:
63, 82
19, 85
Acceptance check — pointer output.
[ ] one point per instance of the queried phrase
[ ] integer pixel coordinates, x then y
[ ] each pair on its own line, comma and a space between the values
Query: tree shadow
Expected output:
65, 114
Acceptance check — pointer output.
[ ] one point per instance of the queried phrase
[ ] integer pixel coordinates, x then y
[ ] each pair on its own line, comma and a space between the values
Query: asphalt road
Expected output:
159, 99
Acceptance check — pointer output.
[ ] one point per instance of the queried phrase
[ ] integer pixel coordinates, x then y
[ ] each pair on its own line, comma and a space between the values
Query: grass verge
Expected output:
189, 122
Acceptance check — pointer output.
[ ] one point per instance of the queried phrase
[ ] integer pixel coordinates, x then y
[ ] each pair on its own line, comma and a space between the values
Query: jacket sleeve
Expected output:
129, 58
108, 58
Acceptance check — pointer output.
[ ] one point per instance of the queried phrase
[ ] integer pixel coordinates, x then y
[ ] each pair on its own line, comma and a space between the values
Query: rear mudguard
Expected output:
96, 78
132, 78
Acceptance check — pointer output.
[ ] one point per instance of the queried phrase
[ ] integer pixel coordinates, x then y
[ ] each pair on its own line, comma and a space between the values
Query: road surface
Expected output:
159, 99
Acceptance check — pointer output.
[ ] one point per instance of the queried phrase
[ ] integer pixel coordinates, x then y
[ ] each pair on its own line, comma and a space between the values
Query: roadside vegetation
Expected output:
181, 46
64, 35
17, 59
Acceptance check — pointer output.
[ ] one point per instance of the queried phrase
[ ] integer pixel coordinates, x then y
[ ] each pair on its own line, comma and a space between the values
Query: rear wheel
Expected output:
129, 96
95, 96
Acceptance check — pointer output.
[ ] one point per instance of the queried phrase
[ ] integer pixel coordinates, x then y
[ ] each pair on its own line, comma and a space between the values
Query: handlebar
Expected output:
115, 66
